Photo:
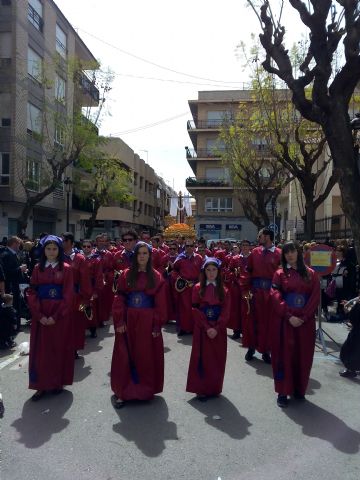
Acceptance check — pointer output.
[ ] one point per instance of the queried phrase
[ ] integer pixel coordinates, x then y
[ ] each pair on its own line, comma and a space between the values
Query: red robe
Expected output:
206, 376
166, 266
229, 275
188, 269
262, 264
97, 284
292, 349
82, 294
51, 363
107, 295
244, 284
146, 352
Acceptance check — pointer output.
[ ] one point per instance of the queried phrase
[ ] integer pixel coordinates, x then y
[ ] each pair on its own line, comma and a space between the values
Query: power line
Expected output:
156, 64
150, 125
172, 80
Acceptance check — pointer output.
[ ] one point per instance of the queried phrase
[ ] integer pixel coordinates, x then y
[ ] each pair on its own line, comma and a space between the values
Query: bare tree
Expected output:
323, 86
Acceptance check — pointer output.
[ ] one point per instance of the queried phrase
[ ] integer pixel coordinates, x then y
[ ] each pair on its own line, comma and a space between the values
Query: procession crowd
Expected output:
267, 295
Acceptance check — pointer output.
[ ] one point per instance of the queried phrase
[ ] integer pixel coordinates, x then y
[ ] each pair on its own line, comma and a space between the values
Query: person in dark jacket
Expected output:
13, 271
8, 321
350, 351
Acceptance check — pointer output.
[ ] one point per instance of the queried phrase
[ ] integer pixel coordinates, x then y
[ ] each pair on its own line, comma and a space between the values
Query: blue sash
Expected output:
296, 300
139, 300
263, 283
212, 312
49, 291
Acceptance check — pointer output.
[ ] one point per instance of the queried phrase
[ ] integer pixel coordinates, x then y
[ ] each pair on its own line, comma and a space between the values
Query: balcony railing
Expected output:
207, 182
35, 18
205, 124
89, 87
204, 152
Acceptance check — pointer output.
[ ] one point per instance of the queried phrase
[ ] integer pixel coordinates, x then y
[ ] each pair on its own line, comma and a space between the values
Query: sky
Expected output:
162, 53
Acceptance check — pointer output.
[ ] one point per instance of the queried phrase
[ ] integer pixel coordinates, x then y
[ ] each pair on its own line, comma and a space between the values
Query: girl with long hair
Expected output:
211, 313
295, 297
139, 311
50, 296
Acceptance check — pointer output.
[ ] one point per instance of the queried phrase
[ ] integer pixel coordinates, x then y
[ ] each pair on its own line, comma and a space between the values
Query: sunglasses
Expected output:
87, 246
189, 246
128, 239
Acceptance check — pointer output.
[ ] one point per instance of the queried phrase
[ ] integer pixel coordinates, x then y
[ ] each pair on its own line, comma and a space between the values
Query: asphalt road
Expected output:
240, 435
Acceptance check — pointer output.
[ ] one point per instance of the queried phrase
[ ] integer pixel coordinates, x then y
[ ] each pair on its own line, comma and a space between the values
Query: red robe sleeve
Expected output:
32, 298
312, 304
160, 310
198, 316
225, 312
119, 306
279, 306
85, 280
99, 277
65, 305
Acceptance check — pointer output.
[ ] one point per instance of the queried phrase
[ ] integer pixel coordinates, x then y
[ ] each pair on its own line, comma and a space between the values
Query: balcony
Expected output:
204, 153
89, 92
199, 182
205, 124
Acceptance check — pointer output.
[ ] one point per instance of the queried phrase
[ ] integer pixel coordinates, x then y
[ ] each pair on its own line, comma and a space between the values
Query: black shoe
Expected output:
348, 373
37, 395
77, 356
236, 334
181, 333
282, 401
119, 403
57, 391
201, 398
299, 396
11, 344
266, 357
250, 354
93, 333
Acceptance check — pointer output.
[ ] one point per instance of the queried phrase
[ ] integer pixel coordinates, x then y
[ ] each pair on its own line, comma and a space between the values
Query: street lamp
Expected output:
67, 182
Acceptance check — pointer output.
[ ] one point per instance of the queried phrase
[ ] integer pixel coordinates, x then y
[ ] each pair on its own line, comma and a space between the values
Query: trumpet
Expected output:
350, 304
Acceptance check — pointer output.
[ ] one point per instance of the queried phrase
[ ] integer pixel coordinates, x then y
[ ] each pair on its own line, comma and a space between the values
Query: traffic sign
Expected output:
321, 258
274, 228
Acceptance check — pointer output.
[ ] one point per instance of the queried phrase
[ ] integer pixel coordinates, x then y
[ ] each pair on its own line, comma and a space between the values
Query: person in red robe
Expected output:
244, 285
50, 297
186, 272
122, 260
106, 296
228, 268
167, 265
262, 264
97, 284
139, 311
82, 289
295, 298
211, 313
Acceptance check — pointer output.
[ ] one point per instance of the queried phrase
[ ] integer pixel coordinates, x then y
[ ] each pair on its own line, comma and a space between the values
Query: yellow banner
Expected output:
320, 259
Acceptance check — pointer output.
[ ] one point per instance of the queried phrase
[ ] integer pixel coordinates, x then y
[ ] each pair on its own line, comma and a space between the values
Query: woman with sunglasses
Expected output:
139, 311
295, 297
211, 312
97, 284
50, 298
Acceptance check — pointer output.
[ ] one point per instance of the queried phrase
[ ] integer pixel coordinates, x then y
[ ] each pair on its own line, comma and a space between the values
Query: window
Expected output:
6, 46
260, 143
32, 175
35, 13
6, 122
59, 136
214, 145
5, 3
222, 204
140, 207
141, 182
217, 174
60, 87
145, 209
4, 169
34, 119
60, 41
216, 118
34, 65
135, 178
146, 185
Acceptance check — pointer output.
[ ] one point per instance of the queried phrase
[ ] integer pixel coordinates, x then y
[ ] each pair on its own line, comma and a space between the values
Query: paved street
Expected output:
241, 435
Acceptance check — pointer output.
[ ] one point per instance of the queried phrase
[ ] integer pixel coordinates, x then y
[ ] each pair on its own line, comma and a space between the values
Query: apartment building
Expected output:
219, 213
150, 193
36, 45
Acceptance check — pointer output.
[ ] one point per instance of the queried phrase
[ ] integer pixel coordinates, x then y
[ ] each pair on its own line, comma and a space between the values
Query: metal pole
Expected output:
67, 210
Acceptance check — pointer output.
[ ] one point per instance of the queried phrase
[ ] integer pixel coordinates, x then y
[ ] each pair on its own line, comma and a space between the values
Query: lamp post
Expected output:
68, 182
